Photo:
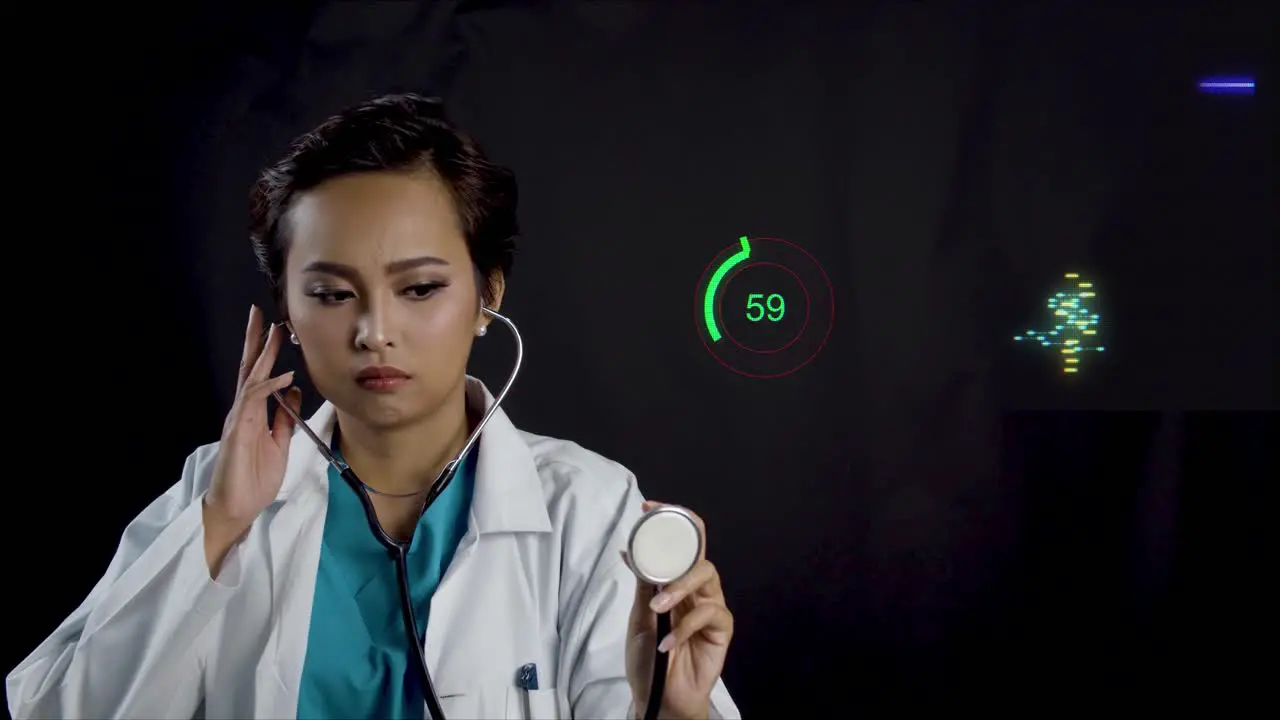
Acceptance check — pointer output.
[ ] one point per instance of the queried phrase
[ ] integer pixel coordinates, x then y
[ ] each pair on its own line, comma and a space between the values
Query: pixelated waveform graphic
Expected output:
1074, 332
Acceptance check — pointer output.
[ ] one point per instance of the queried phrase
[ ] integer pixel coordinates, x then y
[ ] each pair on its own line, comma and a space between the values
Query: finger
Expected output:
250, 414
712, 620
267, 358
252, 346
282, 424
641, 616
702, 580
294, 398
260, 390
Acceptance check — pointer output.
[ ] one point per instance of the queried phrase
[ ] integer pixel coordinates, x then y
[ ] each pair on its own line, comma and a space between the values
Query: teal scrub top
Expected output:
358, 662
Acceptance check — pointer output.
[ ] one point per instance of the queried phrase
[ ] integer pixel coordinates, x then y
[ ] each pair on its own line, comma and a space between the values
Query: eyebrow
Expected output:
348, 272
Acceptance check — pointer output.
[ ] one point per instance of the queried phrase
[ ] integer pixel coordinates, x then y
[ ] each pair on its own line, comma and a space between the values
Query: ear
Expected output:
497, 285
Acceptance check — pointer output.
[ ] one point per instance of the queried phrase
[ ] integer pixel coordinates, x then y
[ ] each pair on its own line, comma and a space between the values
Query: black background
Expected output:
926, 515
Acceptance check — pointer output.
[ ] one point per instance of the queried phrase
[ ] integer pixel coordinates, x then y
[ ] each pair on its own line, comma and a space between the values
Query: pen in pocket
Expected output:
527, 680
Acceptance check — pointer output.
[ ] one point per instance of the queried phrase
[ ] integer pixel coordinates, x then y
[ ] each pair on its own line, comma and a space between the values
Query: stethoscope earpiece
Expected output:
664, 545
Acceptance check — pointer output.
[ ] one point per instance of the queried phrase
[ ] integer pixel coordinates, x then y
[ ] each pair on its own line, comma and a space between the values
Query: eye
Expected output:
422, 291
331, 297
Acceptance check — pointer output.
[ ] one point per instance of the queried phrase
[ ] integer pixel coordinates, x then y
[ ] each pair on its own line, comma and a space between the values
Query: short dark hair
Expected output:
398, 133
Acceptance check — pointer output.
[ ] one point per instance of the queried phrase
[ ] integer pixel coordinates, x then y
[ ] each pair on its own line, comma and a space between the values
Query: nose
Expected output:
373, 331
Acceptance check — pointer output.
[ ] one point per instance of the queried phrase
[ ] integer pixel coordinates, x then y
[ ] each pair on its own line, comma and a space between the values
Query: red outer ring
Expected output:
698, 320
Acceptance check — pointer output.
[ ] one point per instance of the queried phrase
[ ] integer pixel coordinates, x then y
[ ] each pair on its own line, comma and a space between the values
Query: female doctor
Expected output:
254, 587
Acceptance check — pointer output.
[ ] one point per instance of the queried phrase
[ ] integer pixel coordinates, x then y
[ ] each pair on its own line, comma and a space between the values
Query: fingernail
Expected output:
659, 602
666, 643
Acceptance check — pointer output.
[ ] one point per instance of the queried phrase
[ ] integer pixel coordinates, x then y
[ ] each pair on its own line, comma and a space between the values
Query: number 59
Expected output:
777, 307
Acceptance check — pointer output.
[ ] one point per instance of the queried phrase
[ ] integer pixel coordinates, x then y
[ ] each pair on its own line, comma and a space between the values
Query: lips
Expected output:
382, 378
381, 372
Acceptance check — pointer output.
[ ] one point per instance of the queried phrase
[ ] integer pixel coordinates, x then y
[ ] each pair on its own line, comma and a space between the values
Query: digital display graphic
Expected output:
1227, 85
1072, 332
764, 307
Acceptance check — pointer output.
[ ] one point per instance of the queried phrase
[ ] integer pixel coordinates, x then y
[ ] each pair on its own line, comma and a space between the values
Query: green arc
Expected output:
708, 301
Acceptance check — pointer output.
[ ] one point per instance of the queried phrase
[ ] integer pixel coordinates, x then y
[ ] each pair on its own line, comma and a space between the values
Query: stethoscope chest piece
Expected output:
664, 545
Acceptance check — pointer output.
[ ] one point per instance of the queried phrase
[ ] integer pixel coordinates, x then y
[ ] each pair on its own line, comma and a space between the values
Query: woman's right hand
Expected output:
252, 454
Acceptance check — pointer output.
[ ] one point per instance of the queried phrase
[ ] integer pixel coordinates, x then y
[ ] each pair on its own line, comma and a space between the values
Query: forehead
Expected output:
373, 218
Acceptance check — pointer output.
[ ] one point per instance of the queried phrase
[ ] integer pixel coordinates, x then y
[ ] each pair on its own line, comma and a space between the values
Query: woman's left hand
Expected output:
701, 628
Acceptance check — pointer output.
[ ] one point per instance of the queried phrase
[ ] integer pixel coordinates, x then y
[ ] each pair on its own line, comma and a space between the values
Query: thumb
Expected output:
283, 423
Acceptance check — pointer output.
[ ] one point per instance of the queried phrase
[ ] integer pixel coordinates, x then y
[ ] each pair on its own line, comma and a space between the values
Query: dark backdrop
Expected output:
923, 515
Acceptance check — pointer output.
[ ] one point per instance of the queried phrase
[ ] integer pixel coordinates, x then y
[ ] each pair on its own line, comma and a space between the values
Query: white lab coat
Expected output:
537, 578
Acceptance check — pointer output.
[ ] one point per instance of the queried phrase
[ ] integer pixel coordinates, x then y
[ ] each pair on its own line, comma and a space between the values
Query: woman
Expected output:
254, 587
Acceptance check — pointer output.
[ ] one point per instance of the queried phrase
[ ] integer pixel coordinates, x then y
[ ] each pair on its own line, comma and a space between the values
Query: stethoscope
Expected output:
657, 547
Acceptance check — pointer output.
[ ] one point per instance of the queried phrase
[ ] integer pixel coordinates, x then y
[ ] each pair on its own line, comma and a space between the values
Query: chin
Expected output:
385, 412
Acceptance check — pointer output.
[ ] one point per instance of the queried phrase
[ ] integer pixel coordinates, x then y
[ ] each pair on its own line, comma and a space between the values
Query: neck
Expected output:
406, 458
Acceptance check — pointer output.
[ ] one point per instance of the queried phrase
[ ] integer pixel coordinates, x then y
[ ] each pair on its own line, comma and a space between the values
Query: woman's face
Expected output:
382, 294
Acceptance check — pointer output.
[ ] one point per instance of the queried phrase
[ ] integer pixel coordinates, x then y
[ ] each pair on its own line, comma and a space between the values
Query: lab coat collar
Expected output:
508, 493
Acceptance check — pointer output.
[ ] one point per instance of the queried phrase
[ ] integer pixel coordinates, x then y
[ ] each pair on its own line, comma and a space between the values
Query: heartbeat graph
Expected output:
1074, 323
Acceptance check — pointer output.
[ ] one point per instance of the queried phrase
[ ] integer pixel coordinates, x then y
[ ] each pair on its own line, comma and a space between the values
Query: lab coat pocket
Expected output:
468, 703
546, 704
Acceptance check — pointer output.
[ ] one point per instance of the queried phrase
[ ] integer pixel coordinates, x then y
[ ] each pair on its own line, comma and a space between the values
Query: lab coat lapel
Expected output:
508, 494
294, 539
508, 498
